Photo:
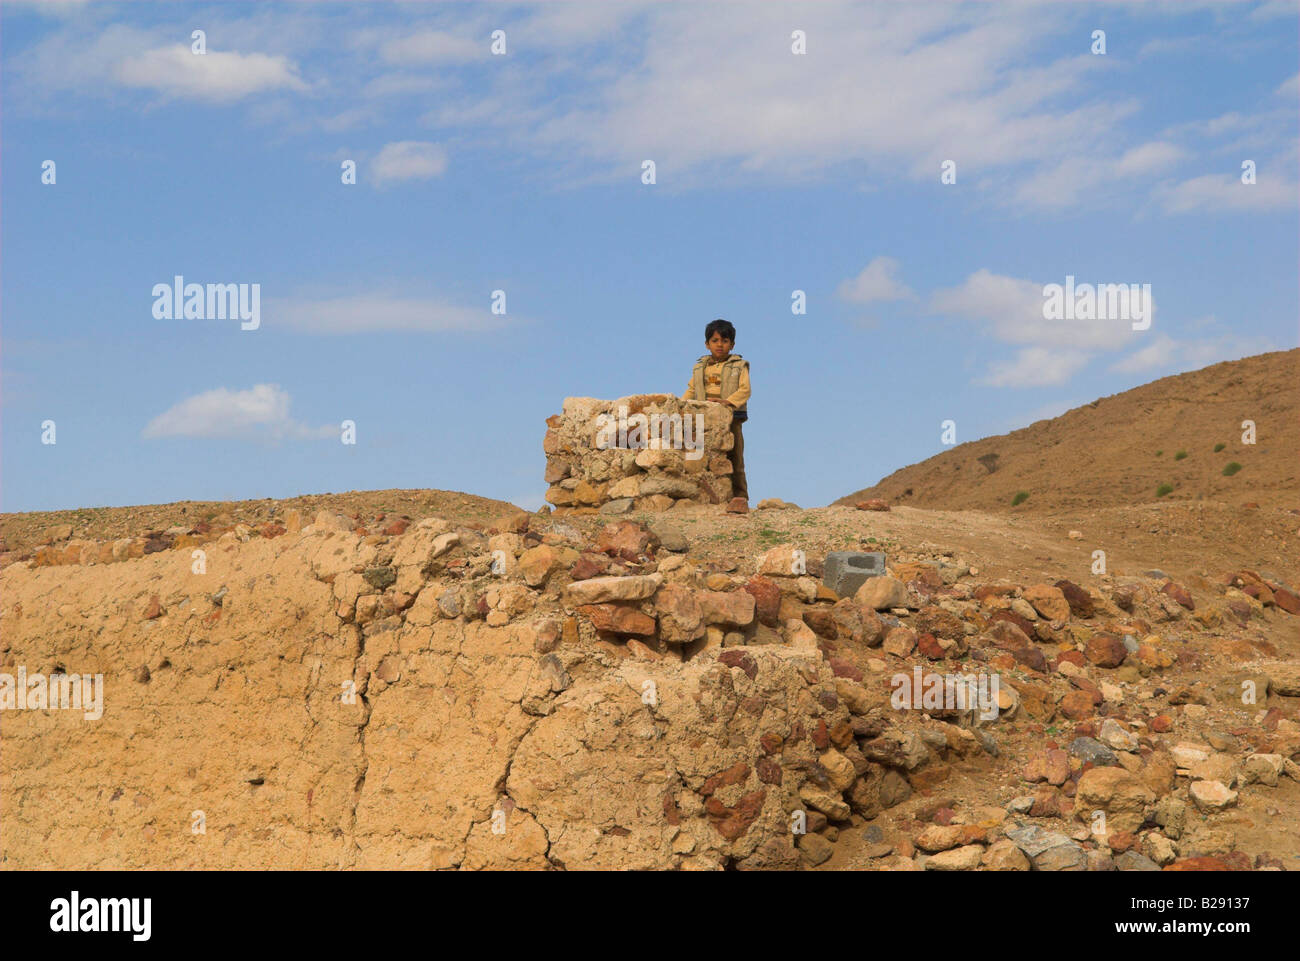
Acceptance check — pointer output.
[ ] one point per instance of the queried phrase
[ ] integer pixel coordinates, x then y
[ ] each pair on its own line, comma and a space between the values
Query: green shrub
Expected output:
1020, 498
1219, 446
1164, 489
1180, 455
1159, 452
1231, 469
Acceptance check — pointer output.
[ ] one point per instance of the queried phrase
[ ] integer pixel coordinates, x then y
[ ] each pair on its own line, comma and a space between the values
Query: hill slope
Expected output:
1117, 450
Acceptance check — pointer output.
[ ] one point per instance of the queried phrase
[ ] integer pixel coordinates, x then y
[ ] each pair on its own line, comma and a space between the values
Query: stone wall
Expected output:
646, 451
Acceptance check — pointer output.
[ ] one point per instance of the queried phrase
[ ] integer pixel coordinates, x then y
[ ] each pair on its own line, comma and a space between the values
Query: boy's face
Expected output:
718, 345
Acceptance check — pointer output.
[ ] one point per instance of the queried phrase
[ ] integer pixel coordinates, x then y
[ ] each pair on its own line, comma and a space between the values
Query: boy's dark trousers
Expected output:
739, 486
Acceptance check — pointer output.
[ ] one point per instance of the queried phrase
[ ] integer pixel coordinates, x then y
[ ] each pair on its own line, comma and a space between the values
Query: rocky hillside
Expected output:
1183, 432
676, 690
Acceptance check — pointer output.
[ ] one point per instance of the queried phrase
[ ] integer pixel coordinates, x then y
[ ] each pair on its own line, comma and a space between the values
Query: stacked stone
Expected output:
647, 465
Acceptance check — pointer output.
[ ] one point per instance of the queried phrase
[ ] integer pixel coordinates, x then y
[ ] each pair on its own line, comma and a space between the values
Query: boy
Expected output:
723, 377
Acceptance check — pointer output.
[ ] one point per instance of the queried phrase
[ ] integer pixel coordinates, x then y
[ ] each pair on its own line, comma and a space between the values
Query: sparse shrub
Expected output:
1159, 452
1164, 489
1219, 446
1020, 498
1180, 455
1231, 469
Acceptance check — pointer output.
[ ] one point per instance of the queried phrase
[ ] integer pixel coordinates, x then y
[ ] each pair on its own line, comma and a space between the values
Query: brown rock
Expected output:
618, 619
1106, 650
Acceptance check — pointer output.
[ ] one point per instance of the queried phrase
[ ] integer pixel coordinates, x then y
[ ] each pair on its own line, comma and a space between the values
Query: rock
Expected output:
1052, 766
899, 641
734, 608
670, 538
782, 561
872, 504
619, 505
1004, 855
832, 805
627, 540
1264, 769
815, 848
1080, 601
1091, 751
56, 533
767, 599
1133, 861
597, 590
681, 615
536, 564
1212, 796
1114, 736
1283, 678
1105, 650
839, 770
1179, 594
1048, 601
1047, 850
882, 593
1159, 849
965, 858
845, 571
1117, 792
618, 619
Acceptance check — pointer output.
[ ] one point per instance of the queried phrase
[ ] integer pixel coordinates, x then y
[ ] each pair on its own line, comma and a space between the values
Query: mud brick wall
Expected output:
644, 452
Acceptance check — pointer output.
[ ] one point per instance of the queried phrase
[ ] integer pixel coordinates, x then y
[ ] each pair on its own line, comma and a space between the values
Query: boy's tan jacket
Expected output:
735, 382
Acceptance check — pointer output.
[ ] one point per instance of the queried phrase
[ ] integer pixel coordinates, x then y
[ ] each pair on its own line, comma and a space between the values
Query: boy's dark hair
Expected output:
722, 327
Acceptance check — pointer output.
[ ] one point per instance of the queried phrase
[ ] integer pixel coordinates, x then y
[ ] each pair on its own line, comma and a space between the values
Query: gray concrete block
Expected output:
844, 571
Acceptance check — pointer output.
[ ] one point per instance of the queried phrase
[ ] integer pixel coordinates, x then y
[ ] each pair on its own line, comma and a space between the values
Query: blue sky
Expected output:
522, 172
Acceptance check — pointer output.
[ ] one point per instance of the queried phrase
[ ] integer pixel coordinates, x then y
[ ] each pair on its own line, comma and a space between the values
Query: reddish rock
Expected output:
993, 590
1077, 705
935, 620
1180, 594
1162, 724
821, 621
735, 774
1052, 766
872, 504
153, 609
1080, 601
587, 567
618, 619
733, 822
1121, 841
1198, 864
1106, 650
769, 771
842, 668
397, 527
821, 735
928, 645
741, 659
772, 743
1025, 626
1073, 657
271, 529
627, 540
1287, 600
767, 599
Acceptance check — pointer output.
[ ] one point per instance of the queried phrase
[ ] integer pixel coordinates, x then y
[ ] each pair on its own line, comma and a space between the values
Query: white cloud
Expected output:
373, 313
1014, 310
433, 47
217, 76
262, 411
1036, 367
1226, 193
877, 281
1289, 88
1164, 353
408, 160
